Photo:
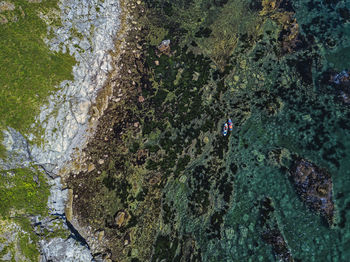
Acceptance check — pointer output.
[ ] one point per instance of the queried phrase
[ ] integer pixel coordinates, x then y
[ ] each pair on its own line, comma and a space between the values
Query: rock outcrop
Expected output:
314, 186
87, 31
271, 233
58, 250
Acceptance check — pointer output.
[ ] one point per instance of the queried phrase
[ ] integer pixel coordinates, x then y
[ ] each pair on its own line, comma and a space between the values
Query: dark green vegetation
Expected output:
29, 70
190, 194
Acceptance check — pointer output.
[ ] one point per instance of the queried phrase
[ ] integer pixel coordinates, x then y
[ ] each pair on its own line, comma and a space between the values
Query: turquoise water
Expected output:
267, 65
282, 106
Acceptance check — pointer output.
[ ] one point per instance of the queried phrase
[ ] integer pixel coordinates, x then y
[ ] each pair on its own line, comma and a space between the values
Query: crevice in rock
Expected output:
76, 235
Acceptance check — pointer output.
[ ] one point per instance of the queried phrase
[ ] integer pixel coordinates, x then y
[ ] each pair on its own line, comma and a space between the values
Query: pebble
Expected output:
91, 167
141, 99
120, 218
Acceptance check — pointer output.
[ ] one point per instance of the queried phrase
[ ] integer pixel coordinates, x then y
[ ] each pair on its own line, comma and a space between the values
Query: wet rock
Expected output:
314, 186
341, 82
91, 167
141, 157
120, 218
164, 47
100, 235
141, 99
69, 205
271, 233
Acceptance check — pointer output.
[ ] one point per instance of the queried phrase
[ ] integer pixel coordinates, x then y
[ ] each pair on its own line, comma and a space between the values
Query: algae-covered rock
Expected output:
271, 232
315, 187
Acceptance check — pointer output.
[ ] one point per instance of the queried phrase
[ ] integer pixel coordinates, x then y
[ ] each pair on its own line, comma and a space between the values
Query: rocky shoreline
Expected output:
93, 32
126, 90
155, 179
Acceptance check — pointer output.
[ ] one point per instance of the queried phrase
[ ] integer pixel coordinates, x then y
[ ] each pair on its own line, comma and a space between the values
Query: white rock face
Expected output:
87, 32
59, 250
57, 198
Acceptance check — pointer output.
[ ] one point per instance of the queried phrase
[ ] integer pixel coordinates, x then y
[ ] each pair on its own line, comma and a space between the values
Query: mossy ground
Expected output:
23, 190
29, 73
29, 70
23, 194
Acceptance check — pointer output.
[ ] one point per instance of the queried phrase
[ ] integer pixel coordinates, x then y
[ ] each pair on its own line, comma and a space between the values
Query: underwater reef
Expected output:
55, 56
161, 181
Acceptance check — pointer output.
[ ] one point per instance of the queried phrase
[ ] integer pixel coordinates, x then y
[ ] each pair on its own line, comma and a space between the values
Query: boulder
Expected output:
59, 250
314, 186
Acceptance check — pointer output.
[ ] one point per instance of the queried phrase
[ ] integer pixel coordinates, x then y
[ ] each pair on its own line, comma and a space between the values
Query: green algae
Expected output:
18, 239
29, 70
263, 132
197, 199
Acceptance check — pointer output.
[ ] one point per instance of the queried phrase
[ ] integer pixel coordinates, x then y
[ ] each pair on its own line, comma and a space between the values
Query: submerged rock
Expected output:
271, 233
120, 218
341, 82
314, 186
164, 47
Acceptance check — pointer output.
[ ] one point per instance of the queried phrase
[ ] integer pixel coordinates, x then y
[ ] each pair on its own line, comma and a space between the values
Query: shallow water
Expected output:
266, 65
307, 119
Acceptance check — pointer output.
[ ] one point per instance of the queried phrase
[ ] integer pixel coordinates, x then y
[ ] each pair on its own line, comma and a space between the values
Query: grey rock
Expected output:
65, 116
57, 198
17, 150
61, 250
6, 6
7, 256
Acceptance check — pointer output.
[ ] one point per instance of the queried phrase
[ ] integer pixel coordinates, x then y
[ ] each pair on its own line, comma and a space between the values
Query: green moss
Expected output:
23, 189
29, 70
28, 247
5, 249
